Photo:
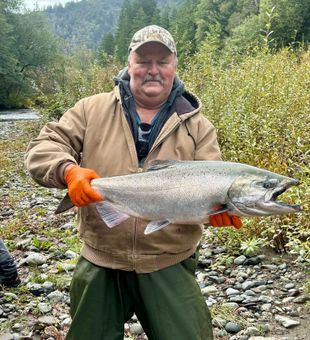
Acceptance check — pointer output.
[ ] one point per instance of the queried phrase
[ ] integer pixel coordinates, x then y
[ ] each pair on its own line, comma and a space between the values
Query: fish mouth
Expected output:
256, 200
271, 198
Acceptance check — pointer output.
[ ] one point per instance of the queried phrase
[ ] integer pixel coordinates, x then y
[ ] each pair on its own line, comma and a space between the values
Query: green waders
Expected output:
168, 303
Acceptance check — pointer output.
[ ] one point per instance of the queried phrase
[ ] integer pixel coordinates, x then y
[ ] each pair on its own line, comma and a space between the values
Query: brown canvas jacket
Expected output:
95, 134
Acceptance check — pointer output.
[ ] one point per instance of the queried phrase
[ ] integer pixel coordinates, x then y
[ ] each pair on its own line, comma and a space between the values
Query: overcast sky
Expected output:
30, 4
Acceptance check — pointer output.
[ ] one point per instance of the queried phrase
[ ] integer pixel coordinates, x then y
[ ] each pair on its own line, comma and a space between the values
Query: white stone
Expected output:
35, 259
44, 307
136, 329
55, 296
209, 290
71, 254
232, 291
286, 322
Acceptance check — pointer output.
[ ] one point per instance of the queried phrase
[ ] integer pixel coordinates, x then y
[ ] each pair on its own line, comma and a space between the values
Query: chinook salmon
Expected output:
188, 192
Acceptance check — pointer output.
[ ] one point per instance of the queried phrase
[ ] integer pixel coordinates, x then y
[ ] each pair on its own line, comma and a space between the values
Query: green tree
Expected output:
184, 27
290, 19
107, 43
211, 12
165, 18
106, 49
28, 46
35, 45
8, 59
247, 37
122, 36
243, 10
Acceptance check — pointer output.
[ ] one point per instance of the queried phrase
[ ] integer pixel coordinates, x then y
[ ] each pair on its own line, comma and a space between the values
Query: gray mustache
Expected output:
151, 78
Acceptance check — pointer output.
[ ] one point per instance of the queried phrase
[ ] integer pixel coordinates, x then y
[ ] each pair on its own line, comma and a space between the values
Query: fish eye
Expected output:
271, 183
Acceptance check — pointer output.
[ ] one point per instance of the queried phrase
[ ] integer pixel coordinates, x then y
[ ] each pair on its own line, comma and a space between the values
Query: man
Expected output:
148, 116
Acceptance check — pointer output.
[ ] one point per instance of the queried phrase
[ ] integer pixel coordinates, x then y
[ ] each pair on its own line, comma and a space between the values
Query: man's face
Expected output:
152, 70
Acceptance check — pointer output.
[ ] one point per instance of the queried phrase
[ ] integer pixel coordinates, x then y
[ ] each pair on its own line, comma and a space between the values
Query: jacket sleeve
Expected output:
58, 143
207, 147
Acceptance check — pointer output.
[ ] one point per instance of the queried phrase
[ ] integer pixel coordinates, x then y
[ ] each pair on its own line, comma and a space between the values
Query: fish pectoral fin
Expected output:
110, 215
155, 225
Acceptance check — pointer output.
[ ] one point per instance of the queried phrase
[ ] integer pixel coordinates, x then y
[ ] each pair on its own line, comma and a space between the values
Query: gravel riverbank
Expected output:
258, 297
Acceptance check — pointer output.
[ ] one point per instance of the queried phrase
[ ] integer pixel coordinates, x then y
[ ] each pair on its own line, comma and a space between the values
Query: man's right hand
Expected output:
78, 183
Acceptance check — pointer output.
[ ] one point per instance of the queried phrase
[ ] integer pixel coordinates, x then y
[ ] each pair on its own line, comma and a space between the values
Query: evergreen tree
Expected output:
243, 9
288, 19
212, 12
183, 28
122, 37
106, 49
107, 44
165, 17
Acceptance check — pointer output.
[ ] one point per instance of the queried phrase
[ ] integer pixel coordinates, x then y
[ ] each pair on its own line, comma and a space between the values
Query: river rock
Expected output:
232, 291
232, 327
44, 307
136, 328
6, 336
34, 259
252, 261
71, 254
301, 299
47, 320
286, 322
48, 287
35, 288
55, 296
209, 290
251, 331
239, 260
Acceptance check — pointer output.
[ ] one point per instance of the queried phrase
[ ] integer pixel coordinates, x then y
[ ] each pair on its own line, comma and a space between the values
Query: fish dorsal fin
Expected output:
110, 215
155, 225
158, 165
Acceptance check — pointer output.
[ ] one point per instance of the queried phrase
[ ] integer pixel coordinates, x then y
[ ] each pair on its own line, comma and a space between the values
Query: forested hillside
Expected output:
86, 21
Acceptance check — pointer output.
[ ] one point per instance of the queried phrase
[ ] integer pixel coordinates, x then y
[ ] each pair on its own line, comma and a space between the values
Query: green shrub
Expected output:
79, 84
260, 107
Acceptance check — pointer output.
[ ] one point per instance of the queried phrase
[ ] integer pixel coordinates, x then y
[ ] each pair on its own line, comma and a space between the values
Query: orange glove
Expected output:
224, 220
79, 189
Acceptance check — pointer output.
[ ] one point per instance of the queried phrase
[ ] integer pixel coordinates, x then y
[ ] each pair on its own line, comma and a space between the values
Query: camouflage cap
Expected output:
152, 33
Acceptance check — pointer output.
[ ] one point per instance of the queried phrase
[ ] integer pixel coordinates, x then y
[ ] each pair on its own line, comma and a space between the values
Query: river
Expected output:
20, 114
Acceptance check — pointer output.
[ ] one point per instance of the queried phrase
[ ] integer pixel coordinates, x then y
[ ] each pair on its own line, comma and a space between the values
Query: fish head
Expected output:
257, 194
